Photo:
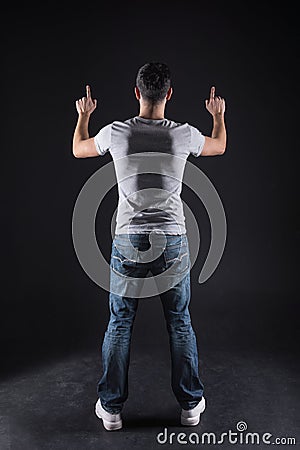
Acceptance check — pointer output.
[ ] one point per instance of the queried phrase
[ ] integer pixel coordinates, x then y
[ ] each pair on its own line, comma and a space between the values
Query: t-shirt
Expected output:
149, 158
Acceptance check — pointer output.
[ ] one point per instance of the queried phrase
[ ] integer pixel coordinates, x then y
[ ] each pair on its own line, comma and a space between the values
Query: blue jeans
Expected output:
185, 381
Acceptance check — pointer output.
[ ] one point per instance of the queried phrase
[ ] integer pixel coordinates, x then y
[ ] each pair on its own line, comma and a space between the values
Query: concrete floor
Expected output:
51, 405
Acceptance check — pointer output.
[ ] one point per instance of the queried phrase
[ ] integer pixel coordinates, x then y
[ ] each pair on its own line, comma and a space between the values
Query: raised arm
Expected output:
216, 144
83, 145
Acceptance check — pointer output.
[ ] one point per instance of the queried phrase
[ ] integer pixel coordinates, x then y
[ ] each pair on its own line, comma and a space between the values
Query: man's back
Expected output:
149, 157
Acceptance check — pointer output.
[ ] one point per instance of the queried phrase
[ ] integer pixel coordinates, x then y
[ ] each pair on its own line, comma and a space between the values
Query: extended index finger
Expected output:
212, 92
88, 91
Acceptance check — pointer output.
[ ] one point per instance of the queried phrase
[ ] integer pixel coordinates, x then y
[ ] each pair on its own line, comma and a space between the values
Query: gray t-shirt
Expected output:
149, 158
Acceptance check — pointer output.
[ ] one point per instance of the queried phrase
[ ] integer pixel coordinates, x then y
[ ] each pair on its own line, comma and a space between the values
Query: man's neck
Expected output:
154, 112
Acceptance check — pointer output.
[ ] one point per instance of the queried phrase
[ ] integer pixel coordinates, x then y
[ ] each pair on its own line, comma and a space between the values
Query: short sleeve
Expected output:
103, 140
196, 142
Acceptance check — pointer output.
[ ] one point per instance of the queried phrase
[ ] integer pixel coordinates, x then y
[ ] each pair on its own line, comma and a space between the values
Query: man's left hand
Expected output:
86, 105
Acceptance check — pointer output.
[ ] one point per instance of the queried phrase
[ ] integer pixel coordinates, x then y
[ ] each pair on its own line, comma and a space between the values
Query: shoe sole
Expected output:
109, 426
192, 421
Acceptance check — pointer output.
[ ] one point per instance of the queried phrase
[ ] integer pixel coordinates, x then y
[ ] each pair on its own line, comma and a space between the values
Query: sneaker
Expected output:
191, 417
110, 421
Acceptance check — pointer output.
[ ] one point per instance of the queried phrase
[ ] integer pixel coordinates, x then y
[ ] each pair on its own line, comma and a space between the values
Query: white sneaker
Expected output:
191, 417
110, 421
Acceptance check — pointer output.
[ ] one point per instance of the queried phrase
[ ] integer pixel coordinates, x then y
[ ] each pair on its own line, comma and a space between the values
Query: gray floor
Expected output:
51, 405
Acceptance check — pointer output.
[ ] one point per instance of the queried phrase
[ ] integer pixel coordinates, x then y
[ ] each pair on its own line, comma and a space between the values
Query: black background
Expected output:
49, 54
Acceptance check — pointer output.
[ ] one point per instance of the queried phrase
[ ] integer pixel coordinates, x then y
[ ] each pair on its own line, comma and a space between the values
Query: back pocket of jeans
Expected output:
123, 259
177, 258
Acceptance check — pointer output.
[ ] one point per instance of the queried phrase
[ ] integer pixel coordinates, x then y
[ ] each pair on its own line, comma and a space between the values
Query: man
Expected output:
149, 152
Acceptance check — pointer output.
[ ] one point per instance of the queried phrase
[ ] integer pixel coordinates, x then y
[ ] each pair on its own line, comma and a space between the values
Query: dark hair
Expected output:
153, 80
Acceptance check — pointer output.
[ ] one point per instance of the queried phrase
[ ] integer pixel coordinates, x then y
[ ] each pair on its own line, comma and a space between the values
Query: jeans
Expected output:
185, 381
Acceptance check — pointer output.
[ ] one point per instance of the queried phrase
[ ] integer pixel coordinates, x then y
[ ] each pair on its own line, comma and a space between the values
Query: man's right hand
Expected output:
216, 104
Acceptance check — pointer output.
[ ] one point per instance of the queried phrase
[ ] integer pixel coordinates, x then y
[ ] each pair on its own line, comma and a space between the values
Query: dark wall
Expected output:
48, 302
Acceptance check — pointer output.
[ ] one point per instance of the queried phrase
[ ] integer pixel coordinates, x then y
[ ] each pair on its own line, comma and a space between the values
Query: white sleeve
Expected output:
103, 139
196, 142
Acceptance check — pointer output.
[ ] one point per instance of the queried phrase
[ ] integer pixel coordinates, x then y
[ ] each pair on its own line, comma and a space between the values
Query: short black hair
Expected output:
153, 80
